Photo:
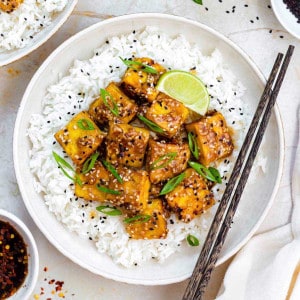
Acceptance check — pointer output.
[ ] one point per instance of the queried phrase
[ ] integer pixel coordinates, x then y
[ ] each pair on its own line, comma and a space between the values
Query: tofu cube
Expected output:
102, 113
213, 138
168, 114
139, 84
80, 137
126, 145
9, 6
88, 189
165, 160
154, 228
191, 197
133, 191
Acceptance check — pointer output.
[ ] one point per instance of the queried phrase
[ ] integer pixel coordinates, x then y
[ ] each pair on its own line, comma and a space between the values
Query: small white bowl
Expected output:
286, 18
40, 38
29, 283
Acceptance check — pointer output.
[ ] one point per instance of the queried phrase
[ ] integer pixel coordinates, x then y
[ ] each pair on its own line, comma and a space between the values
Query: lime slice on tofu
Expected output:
185, 88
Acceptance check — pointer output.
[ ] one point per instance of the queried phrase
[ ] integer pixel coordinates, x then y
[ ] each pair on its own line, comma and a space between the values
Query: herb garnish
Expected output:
172, 184
112, 170
193, 145
108, 210
64, 164
133, 65
150, 124
198, 1
90, 163
170, 156
106, 96
107, 190
85, 124
192, 240
210, 173
138, 219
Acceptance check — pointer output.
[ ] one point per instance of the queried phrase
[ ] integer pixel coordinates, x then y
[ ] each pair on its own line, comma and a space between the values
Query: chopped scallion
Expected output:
210, 173
85, 124
136, 65
107, 190
150, 124
90, 163
169, 156
192, 240
193, 145
112, 170
172, 184
108, 210
137, 219
112, 106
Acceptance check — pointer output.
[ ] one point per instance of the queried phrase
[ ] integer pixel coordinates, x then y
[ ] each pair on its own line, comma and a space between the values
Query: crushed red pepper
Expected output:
13, 260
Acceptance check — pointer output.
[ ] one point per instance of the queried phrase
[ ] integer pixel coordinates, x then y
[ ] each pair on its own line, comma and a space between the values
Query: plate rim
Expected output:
65, 14
65, 44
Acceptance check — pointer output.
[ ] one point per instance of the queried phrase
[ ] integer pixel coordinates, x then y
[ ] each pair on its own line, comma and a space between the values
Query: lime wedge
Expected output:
185, 88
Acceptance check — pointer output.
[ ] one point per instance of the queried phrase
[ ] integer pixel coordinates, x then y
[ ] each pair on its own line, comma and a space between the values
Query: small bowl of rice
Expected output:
27, 24
19, 258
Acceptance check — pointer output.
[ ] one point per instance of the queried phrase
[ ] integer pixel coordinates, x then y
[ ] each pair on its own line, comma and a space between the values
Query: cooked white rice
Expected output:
74, 92
17, 29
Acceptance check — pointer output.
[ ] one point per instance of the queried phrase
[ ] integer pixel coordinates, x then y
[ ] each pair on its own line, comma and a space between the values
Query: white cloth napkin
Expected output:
267, 268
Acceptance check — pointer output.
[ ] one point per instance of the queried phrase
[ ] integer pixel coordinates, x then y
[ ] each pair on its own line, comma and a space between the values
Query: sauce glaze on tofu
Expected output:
135, 160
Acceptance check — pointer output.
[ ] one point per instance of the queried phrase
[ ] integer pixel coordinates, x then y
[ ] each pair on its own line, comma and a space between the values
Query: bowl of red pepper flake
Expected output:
19, 261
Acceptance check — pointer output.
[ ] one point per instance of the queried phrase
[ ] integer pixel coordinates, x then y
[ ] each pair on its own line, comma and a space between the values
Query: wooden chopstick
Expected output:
218, 230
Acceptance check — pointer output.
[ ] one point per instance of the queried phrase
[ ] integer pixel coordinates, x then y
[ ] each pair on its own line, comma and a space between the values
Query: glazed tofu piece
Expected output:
9, 6
117, 106
191, 197
126, 145
88, 190
80, 137
168, 114
165, 160
213, 138
133, 190
154, 228
138, 83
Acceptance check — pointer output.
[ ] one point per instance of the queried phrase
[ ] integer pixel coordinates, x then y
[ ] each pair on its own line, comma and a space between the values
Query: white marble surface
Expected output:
253, 37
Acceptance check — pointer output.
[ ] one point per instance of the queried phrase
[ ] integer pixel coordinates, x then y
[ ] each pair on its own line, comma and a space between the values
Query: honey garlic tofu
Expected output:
88, 190
126, 145
117, 106
9, 6
165, 160
212, 137
191, 197
138, 83
168, 114
80, 137
154, 228
133, 191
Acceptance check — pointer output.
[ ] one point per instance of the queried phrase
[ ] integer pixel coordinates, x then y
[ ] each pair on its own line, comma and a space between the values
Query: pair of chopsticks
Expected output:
230, 200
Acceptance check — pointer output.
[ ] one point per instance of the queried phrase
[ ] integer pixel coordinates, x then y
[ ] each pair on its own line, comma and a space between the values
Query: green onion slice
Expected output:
90, 163
135, 64
170, 157
64, 164
108, 210
85, 124
150, 124
193, 145
107, 97
192, 240
138, 219
107, 190
112, 170
172, 184
210, 173
198, 1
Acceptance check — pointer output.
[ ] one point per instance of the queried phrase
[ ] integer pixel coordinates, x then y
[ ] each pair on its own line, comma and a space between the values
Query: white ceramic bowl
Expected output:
40, 38
28, 285
256, 200
286, 18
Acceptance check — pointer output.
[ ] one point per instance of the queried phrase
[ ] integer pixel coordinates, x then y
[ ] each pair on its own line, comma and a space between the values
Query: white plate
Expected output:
286, 18
256, 200
40, 38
